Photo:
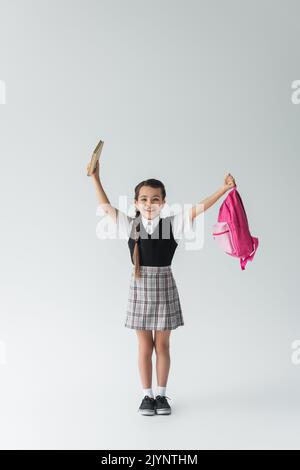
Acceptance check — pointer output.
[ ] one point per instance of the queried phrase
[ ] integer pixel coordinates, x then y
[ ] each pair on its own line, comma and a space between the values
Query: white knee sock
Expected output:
161, 390
148, 391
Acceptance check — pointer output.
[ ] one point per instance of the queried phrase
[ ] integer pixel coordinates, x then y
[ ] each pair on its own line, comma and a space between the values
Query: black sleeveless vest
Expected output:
156, 249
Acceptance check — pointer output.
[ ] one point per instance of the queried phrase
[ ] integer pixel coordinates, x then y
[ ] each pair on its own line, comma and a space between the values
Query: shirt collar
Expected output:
153, 221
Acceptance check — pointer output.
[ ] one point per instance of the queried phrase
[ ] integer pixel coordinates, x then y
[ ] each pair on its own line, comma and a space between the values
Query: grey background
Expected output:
183, 91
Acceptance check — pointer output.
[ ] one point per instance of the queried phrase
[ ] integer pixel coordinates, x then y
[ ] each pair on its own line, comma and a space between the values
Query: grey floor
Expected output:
84, 413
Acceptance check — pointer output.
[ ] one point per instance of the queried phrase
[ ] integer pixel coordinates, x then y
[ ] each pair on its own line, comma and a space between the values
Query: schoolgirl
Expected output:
154, 308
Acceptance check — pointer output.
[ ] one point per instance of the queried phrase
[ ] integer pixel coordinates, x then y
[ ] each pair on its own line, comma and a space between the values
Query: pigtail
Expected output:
136, 255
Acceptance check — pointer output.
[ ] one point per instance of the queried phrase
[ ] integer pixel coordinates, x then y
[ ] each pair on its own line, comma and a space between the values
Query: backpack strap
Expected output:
244, 261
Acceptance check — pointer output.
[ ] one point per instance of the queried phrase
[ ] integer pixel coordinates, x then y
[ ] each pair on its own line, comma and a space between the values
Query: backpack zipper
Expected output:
220, 233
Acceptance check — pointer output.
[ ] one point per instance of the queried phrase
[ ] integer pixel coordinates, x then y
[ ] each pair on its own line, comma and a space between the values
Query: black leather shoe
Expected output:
147, 406
162, 406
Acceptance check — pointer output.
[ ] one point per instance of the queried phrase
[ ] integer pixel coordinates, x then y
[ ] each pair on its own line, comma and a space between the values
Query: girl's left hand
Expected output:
229, 181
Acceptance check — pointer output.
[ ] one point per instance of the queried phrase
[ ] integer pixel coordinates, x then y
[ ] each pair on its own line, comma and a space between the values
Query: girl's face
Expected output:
150, 201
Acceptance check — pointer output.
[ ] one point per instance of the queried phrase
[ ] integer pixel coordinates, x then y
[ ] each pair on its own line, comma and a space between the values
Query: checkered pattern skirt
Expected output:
153, 301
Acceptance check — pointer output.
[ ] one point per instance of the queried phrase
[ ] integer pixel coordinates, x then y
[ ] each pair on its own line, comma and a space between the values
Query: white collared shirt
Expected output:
150, 224
181, 224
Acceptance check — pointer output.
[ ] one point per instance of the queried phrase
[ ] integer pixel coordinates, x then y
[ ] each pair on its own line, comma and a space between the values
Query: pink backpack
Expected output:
231, 232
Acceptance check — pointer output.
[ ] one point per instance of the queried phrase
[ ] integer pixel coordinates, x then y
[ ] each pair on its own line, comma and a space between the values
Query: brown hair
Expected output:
153, 183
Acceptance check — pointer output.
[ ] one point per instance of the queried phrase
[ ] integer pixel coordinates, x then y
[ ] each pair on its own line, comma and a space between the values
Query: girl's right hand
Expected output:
95, 174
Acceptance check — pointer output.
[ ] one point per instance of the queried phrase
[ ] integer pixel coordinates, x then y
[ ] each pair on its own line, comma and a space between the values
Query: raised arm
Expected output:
229, 183
101, 195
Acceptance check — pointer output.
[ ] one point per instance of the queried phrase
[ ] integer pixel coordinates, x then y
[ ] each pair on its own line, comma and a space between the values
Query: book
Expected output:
95, 157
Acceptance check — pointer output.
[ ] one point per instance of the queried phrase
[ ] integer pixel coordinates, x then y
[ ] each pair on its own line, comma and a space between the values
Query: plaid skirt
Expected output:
153, 301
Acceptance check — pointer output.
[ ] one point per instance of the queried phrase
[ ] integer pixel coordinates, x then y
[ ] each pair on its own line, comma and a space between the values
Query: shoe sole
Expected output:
147, 412
163, 412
